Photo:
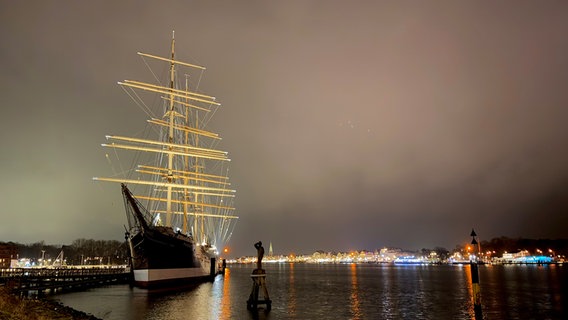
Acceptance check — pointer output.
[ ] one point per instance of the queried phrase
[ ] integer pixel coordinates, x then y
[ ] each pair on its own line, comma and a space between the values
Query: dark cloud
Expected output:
349, 126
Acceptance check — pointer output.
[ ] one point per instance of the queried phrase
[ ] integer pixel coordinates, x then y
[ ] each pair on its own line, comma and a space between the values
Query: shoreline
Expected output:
13, 307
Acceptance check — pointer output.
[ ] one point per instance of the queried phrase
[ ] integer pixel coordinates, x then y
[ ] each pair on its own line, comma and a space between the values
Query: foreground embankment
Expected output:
13, 307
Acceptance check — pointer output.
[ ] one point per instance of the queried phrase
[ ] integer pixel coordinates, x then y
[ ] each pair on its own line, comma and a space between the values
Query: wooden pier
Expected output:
258, 283
39, 280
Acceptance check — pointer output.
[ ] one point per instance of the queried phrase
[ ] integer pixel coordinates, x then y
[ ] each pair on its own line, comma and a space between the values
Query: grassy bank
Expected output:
13, 307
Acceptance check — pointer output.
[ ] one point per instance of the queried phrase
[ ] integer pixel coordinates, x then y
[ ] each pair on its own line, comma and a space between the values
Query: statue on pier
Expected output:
258, 277
260, 253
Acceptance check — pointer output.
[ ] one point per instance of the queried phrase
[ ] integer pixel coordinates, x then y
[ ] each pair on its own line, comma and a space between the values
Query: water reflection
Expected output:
203, 301
226, 297
469, 283
355, 304
525, 290
386, 298
291, 293
303, 291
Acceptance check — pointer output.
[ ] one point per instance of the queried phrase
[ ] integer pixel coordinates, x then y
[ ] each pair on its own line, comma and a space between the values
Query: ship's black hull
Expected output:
160, 256
157, 249
163, 258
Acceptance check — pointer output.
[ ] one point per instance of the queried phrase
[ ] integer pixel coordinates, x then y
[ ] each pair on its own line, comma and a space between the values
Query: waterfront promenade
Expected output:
388, 256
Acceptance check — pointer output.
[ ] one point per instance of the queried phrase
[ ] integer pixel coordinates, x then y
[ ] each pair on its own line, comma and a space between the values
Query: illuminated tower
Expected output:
270, 252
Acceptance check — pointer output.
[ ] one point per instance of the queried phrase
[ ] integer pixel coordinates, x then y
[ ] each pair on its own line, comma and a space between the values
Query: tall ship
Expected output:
177, 195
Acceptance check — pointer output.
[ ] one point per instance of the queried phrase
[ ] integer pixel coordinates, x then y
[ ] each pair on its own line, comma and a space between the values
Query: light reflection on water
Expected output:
302, 291
291, 293
226, 297
355, 310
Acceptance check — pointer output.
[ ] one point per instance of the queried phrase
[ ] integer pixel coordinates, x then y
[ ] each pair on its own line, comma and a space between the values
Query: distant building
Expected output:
389, 254
523, 257
8, 251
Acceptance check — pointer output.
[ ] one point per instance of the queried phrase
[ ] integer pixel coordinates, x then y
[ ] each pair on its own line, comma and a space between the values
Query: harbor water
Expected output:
345, 291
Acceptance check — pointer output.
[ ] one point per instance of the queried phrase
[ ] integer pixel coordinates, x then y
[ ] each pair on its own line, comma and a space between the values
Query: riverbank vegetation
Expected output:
13, 307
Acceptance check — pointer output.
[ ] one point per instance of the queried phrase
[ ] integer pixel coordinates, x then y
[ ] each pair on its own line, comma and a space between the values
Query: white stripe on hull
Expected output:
159, 275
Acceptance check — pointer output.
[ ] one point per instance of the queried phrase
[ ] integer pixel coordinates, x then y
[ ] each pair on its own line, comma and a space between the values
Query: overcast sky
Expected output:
350, 124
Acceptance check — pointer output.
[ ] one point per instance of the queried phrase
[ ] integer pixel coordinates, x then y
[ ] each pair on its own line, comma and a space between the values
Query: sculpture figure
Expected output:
260, 254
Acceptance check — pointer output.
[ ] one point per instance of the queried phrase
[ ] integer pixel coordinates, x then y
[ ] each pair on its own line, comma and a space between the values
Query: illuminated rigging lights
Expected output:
181, 180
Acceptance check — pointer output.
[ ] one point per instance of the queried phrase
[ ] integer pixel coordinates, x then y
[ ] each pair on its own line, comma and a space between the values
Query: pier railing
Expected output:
26, 280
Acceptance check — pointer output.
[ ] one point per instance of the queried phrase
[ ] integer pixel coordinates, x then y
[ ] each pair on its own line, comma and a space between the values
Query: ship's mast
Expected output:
171, 138
186, 165
197, 171
182, 188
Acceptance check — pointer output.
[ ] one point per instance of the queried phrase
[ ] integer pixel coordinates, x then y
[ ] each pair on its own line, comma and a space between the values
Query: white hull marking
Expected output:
150, 275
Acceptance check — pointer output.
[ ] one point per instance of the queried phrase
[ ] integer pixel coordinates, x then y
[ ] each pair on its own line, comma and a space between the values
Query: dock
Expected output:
40, 280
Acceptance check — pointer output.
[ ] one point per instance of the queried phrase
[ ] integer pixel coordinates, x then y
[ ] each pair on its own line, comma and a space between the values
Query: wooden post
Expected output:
258, 277
212, 269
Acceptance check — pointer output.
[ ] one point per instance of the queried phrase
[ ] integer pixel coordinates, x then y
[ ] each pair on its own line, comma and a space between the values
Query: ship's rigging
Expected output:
180, 175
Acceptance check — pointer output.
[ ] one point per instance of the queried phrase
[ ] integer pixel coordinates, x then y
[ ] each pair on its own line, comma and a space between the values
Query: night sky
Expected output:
350, 125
